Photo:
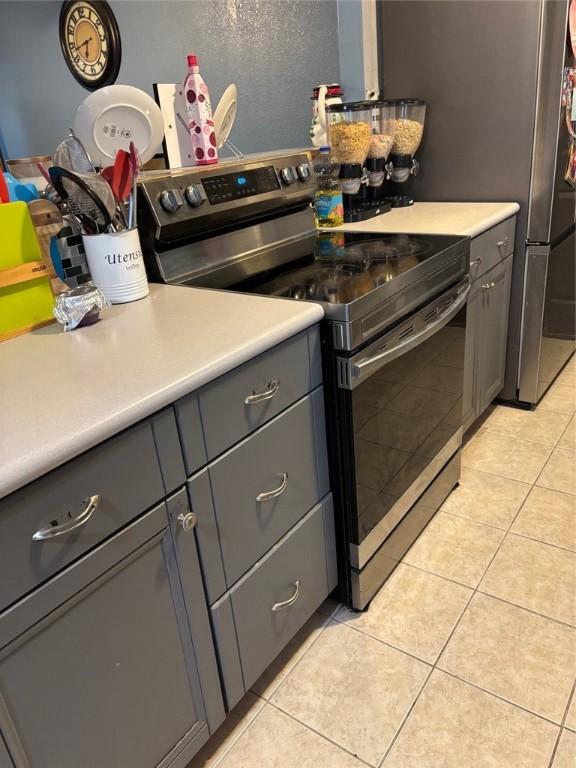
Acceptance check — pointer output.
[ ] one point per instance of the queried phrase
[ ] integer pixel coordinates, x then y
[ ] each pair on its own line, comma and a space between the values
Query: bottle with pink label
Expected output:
199, 109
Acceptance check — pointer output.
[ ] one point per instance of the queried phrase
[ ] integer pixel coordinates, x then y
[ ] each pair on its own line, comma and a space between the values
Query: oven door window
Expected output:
404, 417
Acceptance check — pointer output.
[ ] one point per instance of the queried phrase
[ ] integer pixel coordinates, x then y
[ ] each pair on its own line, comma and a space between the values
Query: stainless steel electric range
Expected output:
393, 337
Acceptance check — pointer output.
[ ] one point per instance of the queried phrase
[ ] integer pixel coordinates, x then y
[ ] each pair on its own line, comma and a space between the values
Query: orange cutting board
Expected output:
26, 301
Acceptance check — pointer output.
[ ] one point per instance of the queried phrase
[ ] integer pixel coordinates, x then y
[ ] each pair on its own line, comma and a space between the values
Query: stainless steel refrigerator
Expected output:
492, 74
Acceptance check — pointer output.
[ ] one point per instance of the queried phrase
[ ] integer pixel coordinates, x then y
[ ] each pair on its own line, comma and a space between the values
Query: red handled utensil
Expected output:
4, 194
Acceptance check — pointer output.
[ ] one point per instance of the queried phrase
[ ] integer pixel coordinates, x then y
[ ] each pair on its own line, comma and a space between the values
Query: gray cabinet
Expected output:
107, 651
493, 332
263, 486
486, 336
469, 387
267, 606
53, 521
97, 667
239, 402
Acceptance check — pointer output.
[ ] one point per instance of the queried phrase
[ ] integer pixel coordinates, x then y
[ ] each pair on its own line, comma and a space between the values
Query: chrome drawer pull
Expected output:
267, 495
259, 397
476, 261
502, 243
188, 521
57, 530
290, 601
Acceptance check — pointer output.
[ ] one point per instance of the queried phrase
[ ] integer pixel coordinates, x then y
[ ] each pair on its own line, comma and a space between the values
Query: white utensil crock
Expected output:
116, 265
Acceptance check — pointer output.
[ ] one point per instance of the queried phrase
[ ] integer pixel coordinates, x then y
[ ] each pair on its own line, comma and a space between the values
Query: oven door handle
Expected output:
370, 364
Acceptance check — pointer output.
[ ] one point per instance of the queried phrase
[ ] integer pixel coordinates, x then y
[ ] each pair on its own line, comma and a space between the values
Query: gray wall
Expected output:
274, 50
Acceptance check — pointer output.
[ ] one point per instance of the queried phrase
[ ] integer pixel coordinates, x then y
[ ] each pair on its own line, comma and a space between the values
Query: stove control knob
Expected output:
303, 171
194, 195
171, 200
288, 175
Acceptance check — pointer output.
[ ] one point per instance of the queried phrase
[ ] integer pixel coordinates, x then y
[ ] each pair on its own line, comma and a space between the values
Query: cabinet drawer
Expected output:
281, 592
492, 247
263, 486
123, 472
241, 401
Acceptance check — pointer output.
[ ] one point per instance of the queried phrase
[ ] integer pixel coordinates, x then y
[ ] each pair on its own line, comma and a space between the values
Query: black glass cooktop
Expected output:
347, 266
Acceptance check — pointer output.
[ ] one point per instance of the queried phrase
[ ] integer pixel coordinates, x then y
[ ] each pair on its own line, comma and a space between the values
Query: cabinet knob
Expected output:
187, 521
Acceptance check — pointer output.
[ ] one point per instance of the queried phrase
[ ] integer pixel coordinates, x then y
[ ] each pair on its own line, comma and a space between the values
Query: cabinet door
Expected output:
470, 358
108, 678
493, 333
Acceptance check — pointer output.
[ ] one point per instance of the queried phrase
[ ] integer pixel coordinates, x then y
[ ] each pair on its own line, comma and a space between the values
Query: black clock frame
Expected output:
110, 71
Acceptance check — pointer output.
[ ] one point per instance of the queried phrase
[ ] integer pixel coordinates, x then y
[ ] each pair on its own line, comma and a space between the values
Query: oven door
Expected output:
400, 409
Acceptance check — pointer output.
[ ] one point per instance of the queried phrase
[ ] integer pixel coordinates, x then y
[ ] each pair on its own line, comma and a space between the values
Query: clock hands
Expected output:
86, 43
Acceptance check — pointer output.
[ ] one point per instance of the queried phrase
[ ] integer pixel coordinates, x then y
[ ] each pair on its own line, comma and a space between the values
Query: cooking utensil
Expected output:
135, 168
4, 194
72, 155
120, 180
80, 200
122, 176
42, 168
110, 118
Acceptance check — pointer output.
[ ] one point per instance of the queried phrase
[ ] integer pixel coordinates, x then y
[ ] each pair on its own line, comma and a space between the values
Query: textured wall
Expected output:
274, 50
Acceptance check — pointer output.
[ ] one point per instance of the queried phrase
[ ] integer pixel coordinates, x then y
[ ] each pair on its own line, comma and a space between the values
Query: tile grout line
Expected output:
386, 643
562, 726
235, 741
318, 733
405, 719
500, 698
528, 610
321, 630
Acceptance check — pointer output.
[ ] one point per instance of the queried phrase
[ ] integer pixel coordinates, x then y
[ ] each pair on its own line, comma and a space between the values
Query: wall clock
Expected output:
90, 42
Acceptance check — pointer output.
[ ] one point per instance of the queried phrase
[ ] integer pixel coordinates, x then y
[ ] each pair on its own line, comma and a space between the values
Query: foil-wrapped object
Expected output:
79, 306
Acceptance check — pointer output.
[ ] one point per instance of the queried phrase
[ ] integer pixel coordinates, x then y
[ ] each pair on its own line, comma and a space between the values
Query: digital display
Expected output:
235, 186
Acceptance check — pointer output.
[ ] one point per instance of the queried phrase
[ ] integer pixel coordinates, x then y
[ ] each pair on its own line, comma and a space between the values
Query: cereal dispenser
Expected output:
350, 134
383, 128
409, 128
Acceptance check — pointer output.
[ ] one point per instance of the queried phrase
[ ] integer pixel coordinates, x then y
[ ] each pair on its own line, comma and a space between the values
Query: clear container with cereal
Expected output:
350, 134
410, 116
383, 129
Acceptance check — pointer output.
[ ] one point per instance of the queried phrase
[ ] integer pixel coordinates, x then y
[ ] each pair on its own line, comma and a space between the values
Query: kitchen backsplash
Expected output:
274, 50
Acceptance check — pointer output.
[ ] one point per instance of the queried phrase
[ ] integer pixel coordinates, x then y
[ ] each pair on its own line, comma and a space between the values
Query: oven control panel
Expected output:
235, 186
178, 202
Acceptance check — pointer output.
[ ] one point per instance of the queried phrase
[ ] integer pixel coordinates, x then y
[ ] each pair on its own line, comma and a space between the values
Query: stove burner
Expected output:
385, 249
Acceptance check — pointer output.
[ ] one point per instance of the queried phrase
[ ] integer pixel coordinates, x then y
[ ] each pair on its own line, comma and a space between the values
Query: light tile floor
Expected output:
467, 656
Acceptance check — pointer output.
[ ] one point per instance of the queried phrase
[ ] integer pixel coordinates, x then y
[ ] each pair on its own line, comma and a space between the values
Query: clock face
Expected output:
90, 42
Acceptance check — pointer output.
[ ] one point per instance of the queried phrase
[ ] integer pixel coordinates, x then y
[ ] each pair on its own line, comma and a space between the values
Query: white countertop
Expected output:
469, 219
62, 393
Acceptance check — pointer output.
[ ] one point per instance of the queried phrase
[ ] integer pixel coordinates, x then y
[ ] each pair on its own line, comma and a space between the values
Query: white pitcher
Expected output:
324, 96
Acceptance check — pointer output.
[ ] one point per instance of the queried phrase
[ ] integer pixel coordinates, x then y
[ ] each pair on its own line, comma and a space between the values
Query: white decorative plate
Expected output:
110, 118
